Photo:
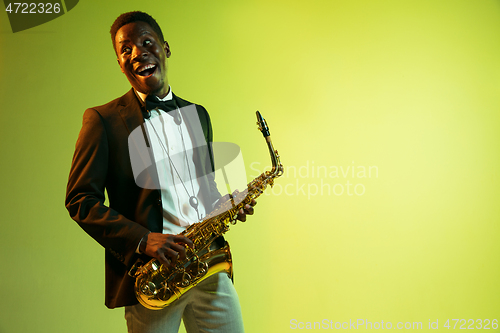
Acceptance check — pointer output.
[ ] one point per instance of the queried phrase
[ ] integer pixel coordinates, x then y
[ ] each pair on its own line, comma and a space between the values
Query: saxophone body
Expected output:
157, 285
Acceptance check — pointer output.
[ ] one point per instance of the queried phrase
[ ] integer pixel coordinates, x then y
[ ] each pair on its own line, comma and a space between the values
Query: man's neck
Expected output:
143, 96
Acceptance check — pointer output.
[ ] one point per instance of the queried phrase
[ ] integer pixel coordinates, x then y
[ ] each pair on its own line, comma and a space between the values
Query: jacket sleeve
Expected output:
85, 193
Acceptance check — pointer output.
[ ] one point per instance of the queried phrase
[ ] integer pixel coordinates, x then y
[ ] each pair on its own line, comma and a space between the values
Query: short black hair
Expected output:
130, 17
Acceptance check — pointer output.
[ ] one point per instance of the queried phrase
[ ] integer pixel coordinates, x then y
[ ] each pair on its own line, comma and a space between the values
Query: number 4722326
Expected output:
33, 8
484, 324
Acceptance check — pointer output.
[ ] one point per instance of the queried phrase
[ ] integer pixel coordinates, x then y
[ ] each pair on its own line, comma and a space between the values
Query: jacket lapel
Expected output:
130, 111
145, 173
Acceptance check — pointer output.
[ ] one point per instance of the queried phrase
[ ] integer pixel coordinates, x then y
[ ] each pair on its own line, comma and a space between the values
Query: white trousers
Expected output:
210, 307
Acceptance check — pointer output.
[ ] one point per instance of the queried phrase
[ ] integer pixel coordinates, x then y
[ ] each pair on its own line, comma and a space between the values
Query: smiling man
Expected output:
146, 221
146, 71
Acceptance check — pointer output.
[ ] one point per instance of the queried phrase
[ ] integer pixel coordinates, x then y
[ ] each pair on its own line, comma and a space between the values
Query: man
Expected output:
146, 220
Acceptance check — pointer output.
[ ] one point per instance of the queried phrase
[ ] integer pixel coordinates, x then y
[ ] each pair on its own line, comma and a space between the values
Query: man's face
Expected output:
143, 58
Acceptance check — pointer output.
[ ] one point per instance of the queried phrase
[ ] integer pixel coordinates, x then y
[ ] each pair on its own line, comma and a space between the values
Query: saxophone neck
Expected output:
277, 169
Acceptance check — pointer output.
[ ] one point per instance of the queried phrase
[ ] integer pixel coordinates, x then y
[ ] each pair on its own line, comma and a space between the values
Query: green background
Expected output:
410, 88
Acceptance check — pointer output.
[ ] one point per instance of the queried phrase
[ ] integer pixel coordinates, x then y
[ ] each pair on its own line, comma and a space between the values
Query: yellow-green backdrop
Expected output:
385, 113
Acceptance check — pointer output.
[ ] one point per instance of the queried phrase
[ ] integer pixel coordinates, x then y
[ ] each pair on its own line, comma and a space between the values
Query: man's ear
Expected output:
167, 49
118, 61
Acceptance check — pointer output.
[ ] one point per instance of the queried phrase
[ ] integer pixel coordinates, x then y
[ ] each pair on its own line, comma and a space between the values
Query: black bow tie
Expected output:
152, 102
169, 106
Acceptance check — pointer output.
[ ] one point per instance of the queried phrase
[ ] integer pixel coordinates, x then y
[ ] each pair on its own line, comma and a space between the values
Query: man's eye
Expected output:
126, 50
147, 42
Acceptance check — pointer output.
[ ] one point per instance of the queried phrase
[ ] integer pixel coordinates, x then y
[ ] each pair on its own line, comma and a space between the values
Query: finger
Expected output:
253, 202
163, 259
242, 216
173, 255
184, 240
180, 249
249, 210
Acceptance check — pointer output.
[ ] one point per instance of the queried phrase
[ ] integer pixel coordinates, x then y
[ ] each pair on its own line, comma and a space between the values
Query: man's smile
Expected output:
146, 70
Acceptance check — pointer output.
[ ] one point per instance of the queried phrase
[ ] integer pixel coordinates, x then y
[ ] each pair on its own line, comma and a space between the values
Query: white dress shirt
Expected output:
172, 148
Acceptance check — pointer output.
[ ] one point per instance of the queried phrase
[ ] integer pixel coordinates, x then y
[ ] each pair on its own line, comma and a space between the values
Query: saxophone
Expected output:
158, 285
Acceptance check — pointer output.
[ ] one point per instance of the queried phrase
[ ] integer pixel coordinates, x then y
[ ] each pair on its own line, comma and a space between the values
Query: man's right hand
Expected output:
166, 248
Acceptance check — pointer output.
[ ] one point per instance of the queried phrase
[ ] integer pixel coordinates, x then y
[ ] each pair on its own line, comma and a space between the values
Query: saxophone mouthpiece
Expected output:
262, 125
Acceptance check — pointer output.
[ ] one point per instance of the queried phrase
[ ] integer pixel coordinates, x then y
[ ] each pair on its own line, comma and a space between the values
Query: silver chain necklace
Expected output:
193, 200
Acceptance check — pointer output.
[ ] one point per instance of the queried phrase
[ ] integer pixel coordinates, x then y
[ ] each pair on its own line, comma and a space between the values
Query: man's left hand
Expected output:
247, 210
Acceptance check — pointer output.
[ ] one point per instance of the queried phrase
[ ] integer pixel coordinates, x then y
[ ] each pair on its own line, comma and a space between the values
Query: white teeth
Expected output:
146, 67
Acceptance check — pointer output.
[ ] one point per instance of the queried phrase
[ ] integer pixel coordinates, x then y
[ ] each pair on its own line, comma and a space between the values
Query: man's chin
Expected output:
148, 90
145, 90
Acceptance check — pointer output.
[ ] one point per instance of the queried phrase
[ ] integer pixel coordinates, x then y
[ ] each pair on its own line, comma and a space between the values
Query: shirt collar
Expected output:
166, 98
169, 95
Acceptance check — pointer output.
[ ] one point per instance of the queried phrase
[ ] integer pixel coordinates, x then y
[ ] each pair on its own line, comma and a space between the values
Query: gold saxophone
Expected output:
157, 285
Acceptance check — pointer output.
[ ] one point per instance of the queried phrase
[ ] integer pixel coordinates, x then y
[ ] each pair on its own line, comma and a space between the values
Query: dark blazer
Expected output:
102, 162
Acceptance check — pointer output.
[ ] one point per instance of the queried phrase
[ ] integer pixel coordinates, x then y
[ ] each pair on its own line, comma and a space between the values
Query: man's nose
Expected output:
139, 53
